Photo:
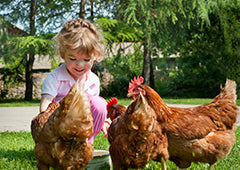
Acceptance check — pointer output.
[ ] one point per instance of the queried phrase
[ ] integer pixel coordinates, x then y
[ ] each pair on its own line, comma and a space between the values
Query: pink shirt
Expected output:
59, 81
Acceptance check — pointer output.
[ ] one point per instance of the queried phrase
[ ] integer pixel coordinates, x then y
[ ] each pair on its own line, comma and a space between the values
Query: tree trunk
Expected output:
82, 9
147, 65
30, 58
92, 13
29, 77
152, 81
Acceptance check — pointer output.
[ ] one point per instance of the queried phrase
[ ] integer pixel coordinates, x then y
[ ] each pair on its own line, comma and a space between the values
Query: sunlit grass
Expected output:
16, 153
123, 101
16, 148
189, 101
18, 103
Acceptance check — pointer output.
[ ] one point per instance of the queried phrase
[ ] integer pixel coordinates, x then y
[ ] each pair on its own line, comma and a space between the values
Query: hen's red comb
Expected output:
111, 102
135, 82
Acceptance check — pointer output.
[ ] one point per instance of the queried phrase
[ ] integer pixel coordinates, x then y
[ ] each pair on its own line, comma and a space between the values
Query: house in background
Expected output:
41, 66
42, 63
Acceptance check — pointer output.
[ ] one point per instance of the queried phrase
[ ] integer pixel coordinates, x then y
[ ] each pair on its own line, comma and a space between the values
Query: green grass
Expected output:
125, 101
18, 102
190, 101
16, 153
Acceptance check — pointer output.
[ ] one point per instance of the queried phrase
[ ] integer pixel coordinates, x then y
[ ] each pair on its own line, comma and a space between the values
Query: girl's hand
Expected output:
105, 128
81, 80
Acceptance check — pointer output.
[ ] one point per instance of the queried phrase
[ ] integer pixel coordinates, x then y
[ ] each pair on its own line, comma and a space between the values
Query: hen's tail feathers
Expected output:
71, 118
237, 123
74, 118
227, 111
229, 90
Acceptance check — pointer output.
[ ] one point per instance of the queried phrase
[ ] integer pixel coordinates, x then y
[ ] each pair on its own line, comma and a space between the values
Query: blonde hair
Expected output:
81, 35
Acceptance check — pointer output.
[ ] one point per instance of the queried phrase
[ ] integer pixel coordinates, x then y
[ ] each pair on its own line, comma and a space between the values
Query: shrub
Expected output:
118, 87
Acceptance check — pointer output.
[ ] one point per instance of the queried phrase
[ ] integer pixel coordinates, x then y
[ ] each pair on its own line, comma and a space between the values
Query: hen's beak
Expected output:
133, 95
130, 94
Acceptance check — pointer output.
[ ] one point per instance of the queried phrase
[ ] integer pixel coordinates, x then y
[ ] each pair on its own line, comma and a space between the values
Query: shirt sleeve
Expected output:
50, 85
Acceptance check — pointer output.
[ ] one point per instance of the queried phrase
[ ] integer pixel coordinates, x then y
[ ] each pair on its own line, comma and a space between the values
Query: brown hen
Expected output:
61, 132
199, 134
136, 137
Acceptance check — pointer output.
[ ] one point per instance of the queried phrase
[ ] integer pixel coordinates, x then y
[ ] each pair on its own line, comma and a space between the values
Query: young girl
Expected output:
79, 45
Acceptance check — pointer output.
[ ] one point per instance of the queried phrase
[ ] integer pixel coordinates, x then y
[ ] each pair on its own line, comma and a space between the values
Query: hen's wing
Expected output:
203, 133
61, 132
224, 110
73, 119
137, 136
40, 129
209, 149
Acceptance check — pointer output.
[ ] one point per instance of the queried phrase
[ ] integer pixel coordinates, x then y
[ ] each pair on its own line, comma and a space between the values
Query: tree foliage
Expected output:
25, 47
210, 52
15, 54
123, 68
204, 33
115, 31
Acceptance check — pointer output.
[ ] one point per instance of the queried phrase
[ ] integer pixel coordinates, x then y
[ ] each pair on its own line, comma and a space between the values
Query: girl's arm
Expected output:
45, 101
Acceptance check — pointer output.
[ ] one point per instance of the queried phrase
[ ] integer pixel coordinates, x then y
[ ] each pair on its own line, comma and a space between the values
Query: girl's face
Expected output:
77, 64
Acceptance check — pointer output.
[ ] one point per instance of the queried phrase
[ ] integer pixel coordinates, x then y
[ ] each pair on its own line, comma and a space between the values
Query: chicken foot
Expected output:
163, 162
211, 167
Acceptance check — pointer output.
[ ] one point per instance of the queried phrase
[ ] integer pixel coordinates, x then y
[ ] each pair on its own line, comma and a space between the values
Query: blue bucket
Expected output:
101, 160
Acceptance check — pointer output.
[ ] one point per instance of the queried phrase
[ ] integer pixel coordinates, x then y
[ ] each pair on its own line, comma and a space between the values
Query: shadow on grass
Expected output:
21, 155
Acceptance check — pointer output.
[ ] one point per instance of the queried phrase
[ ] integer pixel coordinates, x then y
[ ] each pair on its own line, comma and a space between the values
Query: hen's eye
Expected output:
72, 59
87, 60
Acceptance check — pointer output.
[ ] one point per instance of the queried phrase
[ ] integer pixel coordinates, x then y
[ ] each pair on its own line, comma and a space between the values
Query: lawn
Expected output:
16, 148
16, 153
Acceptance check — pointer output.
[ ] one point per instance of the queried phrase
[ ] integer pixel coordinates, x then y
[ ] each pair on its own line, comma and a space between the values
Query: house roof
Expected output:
41, 62
11, 28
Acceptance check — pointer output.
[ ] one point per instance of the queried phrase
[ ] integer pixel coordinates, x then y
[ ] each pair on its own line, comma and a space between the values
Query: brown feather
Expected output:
137, 137
199, 134
60, 133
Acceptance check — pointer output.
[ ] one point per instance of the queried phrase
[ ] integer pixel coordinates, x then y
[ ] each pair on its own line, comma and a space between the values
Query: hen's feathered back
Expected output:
61, 132
199, 134
74, 115
164, 113
223, 109
136, 136
228, 91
